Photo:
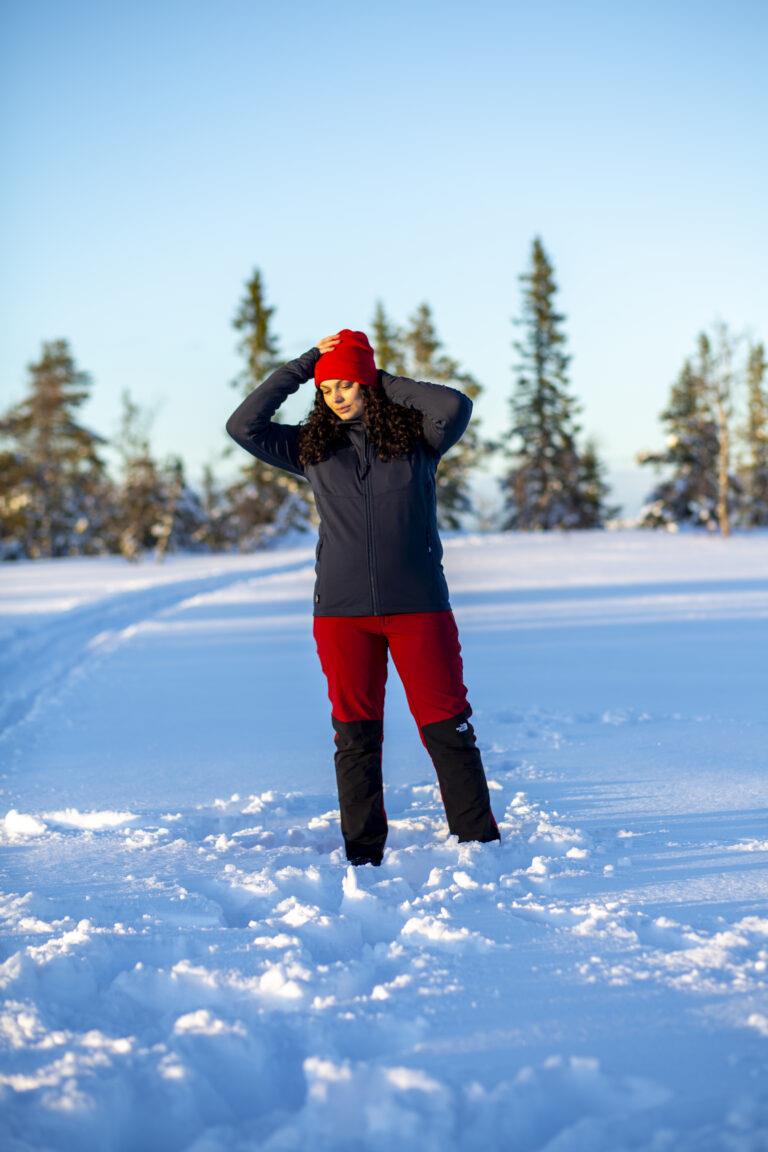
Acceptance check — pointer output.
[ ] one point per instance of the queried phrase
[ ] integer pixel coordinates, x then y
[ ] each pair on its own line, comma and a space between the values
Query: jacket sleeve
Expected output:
446, 410
252, 427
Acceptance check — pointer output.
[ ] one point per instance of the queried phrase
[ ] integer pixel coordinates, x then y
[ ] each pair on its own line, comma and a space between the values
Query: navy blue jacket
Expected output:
378, 551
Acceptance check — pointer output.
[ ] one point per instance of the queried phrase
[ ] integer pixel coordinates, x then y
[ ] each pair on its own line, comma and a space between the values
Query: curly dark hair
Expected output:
393, 429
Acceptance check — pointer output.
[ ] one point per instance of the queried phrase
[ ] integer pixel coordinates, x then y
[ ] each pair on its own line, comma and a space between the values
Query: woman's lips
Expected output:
344, 409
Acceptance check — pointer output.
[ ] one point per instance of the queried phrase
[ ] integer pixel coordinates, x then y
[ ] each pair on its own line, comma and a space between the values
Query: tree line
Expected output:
58, 497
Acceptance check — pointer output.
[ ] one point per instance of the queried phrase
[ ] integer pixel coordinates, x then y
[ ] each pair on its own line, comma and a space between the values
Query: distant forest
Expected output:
58, 498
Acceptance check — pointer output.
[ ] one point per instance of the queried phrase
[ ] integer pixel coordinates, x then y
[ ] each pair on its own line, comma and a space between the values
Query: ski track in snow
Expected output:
35, 663
218, 978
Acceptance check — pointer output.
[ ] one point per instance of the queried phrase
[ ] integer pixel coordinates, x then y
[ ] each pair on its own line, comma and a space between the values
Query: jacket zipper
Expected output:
320, 543
369, 533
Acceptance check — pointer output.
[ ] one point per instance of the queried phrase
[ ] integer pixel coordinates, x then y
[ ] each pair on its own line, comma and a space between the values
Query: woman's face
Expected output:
345, 397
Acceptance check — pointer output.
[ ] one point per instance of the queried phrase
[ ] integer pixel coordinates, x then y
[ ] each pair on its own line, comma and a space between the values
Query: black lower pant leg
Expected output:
361, 787
453, 750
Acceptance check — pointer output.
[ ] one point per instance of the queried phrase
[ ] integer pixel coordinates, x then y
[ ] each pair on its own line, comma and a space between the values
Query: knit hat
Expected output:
351, 359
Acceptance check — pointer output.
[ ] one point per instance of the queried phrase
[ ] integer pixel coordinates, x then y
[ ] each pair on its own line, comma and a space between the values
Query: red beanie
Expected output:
351, 359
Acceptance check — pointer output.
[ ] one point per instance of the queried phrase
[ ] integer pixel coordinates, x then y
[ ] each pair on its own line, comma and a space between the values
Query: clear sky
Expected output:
156, 153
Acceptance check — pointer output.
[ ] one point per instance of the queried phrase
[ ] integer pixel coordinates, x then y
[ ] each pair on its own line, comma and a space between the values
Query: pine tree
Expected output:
425, 361
17, 496
142, 493
594, 509
697, 412
722, 394
408, 353
754, 472
542, 487
217, 530
264, 501
54, 491
183, 518
387, 341
258, 346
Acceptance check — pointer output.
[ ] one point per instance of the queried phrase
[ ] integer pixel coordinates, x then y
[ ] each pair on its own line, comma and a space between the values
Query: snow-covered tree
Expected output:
55, 494
17, 494
218, 530
181, 526
698, 487
142, 493
594, 509
754, 470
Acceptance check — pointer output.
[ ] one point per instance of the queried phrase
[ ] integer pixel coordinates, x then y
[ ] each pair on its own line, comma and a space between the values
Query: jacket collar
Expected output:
355, 428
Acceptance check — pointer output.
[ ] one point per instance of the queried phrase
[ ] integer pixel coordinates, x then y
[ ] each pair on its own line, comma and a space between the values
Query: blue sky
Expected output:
155, 154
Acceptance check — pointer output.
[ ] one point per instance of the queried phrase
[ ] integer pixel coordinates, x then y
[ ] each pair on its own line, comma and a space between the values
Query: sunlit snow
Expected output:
188, 962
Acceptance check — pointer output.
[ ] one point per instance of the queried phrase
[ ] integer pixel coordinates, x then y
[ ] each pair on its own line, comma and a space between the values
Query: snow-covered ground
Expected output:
187, 961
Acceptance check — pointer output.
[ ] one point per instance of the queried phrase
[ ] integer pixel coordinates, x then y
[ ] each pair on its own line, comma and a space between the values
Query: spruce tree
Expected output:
17, 493
723, 383
218, 530
690, 492
387, 341
264, 501
426, 361
408, 353
142, 492
594, 509
754, 471
182, 521
542, 487
54, 491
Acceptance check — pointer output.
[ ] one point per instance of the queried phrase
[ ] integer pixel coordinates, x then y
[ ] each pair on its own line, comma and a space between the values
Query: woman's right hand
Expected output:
328, 342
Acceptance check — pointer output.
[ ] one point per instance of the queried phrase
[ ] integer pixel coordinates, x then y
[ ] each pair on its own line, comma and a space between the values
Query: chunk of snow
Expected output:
19, 825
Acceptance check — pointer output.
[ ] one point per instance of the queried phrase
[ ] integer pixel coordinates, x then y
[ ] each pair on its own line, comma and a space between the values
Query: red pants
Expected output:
425, 648
426, 652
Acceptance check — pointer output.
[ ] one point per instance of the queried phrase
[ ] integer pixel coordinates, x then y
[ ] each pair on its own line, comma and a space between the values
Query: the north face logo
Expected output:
462, 727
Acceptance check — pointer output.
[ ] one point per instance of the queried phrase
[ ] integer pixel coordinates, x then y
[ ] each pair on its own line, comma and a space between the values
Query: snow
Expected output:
189, 963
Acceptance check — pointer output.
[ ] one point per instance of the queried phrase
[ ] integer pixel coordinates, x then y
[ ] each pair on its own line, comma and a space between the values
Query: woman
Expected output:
370, 448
